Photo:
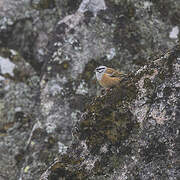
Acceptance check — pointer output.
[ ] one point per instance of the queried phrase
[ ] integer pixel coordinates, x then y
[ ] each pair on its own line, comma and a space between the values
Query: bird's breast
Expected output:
108, 82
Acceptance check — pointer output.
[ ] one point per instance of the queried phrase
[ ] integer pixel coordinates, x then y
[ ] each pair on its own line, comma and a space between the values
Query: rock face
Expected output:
48, 52
131, 132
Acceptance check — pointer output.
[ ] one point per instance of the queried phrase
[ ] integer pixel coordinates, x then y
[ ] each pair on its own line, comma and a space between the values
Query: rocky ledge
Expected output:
131, 132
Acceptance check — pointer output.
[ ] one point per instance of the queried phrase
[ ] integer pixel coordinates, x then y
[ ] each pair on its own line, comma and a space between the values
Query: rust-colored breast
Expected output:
108, 81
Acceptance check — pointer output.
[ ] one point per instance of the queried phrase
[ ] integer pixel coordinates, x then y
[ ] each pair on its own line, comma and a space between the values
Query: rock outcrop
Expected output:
48, 52
131, 132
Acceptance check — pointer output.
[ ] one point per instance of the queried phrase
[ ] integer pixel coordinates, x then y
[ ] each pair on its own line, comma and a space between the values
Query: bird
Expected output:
108, 77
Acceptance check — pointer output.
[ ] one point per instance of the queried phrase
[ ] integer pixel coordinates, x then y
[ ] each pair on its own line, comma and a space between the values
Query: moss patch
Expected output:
108, 119
88, 72
44, 4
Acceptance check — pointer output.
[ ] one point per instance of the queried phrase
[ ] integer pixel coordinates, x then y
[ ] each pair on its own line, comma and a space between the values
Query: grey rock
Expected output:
71, 38
131, 132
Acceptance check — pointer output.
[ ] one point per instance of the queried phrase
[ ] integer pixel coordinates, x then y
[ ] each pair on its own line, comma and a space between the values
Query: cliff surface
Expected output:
131, 132
48, 52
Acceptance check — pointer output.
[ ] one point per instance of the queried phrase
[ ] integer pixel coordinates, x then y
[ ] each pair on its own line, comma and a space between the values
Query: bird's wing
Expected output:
113, 73
110, 70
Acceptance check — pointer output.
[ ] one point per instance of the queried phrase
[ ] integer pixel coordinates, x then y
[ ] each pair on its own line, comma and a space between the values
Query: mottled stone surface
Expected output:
18, 111
25, 25
48, 52
132, 131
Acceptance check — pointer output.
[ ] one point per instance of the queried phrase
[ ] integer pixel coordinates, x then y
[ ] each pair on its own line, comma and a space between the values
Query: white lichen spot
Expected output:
174, 33
141, 81
50, 127
62, 148
159, 116
61, 79
71, 40
140, 70
6, 66
104, 149
177, 132
123, 173
92, 5
177, 69
41, 51
32, 143
49, 68
59, 52
55, 89
2, 78
26, 169
84, 145
58, 44
54, 54
111, 53
13, 52
82, 88
55, 59
4, 22
147, 4
139, 107
51, 122
74, 115
46, 107
42, 83
140, 111
89, 163
67, 58
18, 109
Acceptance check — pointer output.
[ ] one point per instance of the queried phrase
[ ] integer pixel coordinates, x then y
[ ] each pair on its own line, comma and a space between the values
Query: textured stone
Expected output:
130, 132
55, 47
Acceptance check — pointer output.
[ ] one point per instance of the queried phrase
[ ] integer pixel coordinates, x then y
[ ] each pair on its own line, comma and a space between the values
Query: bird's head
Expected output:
100, 71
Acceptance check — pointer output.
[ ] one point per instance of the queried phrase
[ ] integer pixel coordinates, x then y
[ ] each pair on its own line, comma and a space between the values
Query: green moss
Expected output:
65, 65
167, 91
88, 72
72, 5
125, 7
62, 170
164, 7
19, 157
5, 52
148, 84
161, 76
44, 4
175, 18
105, 127
150, 72
20, 76
56, 67
108, 118
116, 162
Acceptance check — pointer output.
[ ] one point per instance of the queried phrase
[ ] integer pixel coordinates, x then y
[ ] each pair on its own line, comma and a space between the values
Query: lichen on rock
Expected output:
125, 130
130, 133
